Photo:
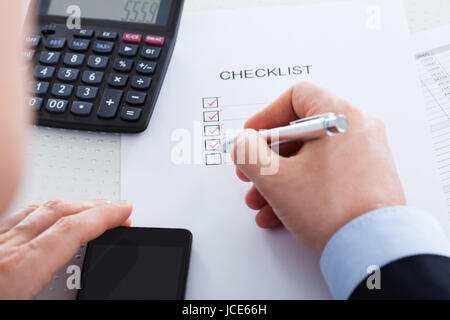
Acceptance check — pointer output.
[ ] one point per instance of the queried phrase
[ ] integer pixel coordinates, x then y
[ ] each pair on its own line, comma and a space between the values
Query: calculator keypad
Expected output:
82, 109
128, 50
80, 45
108, 35
136, 98
40, 88
151, 53
92, 77
83, 33
146, 68
123, 65
33, 41
131, 114
117, 80
141, 83
57, 105
87, 93
98, 62
60, 90
49, 57
44, 72
55, 43
68, 75
110, 103
35, 103
103, 47
74, 59
155, 40
93, 74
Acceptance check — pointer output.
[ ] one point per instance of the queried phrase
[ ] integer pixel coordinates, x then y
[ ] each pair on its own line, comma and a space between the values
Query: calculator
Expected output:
105, 73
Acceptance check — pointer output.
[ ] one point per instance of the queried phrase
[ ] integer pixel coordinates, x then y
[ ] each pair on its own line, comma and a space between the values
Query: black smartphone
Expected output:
137, 264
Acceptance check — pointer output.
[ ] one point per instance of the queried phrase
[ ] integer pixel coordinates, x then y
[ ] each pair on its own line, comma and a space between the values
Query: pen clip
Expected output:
322, 116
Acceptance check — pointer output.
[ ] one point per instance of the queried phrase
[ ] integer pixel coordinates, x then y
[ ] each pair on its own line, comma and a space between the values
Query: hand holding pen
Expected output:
321, 184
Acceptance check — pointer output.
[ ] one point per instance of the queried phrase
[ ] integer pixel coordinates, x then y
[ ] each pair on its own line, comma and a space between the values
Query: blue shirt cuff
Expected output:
379, 238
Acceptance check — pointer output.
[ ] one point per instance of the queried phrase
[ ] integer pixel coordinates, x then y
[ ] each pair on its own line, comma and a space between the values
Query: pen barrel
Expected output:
306, 131
303, 130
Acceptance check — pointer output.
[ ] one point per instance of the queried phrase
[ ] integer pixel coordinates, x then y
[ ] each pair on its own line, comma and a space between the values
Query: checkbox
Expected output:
210, 102
211, 116
212, 145
212, 131
214, 159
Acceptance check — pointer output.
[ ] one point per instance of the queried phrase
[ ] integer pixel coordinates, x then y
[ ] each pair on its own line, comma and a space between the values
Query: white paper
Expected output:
432, 54
359, 51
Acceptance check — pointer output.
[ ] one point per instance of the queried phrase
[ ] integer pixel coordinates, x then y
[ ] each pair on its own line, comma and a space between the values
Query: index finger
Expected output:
300, 101
279, 113
59, 243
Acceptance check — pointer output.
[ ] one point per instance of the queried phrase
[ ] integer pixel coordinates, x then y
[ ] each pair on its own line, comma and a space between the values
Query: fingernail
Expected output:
105, 201
123, 203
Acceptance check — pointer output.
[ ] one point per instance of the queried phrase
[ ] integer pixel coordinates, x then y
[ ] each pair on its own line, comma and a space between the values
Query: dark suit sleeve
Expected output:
417, 277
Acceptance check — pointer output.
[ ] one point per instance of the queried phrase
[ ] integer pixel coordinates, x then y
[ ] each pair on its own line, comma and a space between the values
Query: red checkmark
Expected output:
215, 145
215, 115
212, 103
215, 130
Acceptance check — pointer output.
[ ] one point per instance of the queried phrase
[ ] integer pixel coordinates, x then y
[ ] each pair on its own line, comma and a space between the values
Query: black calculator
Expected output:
100, 64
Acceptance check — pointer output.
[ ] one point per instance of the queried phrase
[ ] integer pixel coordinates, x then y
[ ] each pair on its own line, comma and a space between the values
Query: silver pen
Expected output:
306, 129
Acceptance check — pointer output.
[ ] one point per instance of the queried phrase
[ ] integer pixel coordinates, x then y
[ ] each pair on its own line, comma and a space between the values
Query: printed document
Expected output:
227, 65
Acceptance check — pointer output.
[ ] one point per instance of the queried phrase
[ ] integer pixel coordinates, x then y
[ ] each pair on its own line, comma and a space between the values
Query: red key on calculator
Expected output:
155, 40
132, 37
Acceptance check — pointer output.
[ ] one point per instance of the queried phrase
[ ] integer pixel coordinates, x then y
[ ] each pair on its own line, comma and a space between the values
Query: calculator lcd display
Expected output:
154, 12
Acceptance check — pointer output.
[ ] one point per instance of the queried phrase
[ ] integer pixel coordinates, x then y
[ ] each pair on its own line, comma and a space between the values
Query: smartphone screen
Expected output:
137, 264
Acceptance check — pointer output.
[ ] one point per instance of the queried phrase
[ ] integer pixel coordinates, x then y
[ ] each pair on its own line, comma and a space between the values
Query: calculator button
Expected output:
117, 80
109, 104
87, 93
107, 35
123, 65
103, 47
97, 62
128, 50
40, 88
132, 37
43, 72
49, 57
68, 75
28, 55
56, 105
83, 33
146, 68
155, 40
79, 45
60, 90
141, 83
151, 53
48, 29
35, 103
54, 43
74, 59
136, 98
82, 109
33, 41
92, 77
130, 114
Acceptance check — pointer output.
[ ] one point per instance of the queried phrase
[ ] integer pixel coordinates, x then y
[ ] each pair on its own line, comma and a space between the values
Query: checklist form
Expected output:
224, 70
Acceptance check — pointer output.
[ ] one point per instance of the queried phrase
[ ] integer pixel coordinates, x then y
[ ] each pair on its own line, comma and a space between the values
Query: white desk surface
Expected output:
71, 164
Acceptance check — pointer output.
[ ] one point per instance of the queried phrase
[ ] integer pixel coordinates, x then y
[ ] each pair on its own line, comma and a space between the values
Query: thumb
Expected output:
254, 157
